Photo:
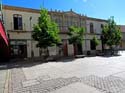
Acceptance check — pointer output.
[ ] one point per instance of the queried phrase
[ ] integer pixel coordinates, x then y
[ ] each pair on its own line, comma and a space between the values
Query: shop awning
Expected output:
3, 34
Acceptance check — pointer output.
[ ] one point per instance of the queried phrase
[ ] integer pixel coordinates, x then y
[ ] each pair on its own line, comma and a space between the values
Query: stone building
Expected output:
19, 23
122, 46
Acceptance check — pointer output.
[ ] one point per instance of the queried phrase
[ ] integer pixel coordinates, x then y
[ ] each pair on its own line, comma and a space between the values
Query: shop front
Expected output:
18, 49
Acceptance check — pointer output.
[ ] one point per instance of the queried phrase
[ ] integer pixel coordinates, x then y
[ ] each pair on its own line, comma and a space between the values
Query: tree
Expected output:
111, 34
76, 35
46, 32
95, 41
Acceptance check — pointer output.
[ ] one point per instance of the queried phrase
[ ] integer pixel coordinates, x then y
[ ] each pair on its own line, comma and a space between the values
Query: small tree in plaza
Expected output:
111, 34
46, 32
95, 41
76, 35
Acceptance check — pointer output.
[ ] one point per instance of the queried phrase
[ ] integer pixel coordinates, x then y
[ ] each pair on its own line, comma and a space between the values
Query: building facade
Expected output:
122, 45
19, 23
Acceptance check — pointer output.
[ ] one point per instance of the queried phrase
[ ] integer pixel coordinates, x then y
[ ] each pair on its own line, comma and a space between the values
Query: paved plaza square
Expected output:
83, 75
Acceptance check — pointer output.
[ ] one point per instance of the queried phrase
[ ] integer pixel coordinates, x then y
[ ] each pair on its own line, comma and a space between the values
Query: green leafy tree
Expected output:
111, 33
46, 32
76, 35
95, 41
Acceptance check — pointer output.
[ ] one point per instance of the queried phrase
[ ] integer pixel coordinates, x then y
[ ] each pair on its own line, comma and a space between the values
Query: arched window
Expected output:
17, 21
91, 28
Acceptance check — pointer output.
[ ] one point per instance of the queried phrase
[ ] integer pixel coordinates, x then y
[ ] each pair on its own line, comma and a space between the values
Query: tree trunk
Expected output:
47, 52
41, 51
75, 49
111, 50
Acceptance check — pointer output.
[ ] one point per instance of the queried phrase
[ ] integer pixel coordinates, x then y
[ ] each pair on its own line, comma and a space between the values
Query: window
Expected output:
102, 25
38, 19
93, 46
17, 19
82, 23
91, 28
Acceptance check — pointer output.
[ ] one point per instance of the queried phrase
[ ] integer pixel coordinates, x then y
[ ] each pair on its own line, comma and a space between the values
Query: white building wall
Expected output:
70, 50
35, 49
8, 19
88, 45
26, 34
20, 35
97, 33
96, 25
53, 51
28, 48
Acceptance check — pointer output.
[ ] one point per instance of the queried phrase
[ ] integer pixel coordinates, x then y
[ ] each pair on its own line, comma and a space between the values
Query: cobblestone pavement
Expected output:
110, 84
2, 80
20, 85
3, 77
106, 75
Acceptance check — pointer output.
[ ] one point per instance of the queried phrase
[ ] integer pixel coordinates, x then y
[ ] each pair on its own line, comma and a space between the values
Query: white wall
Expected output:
20, 35
8, 19
53, 50
35, 49
96, 24
29, 48
70, 50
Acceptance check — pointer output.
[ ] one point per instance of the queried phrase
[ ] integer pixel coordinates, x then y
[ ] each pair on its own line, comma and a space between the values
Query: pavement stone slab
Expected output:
3, 74
77, 88
30, 83
121, 75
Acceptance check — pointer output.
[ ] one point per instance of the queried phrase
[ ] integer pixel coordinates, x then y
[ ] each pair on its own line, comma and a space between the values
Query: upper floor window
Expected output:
91, 28
17, 19
102, 25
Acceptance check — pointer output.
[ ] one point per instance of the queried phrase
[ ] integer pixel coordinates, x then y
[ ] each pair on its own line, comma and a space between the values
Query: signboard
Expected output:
18, 43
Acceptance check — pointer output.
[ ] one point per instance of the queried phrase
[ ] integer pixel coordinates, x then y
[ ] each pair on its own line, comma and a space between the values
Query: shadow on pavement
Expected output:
108, 56
21, 63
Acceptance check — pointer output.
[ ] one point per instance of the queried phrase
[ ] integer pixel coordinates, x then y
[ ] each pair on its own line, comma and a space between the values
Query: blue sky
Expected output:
94, 8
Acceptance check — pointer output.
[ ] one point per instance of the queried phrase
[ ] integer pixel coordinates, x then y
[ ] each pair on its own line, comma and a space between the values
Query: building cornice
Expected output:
22, 9
61, 32
96, 19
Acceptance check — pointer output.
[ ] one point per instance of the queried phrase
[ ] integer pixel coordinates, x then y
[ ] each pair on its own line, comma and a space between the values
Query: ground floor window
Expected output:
93, 46
19, 49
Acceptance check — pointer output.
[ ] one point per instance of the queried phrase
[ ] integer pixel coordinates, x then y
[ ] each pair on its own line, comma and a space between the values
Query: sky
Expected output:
102, 9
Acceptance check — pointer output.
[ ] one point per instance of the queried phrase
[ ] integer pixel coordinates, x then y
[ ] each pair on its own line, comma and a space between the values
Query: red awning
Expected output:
3, 34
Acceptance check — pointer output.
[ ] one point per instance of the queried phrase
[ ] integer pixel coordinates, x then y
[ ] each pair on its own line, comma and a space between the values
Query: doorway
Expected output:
77, 49
65, 48
18, 51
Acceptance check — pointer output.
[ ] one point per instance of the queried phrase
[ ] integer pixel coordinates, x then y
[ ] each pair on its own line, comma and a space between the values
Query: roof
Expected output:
22, 9
96, 19
16, 8
122, 27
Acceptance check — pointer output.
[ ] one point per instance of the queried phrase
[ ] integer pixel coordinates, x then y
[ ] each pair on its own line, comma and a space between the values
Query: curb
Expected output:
7, 85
